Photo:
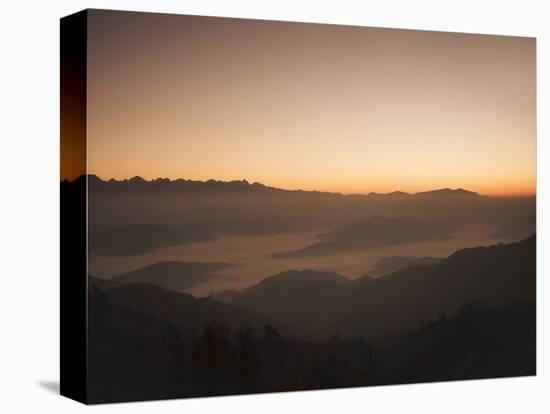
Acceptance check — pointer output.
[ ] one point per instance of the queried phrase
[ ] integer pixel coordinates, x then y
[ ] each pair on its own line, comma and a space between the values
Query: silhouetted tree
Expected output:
247, 359
134, 356
212, 360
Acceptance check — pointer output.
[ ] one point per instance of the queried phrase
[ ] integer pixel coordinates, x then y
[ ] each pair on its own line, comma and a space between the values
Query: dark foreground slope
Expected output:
308, 299
499, 274
134, 356
470, 316
478, 342
187, 313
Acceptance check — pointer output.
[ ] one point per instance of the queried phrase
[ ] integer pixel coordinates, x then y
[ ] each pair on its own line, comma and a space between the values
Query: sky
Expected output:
310, 106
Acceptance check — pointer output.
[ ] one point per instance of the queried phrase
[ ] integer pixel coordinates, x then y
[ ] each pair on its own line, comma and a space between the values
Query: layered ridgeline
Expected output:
474, 311
178, 276
139, 184
322, 304
136, 216
318, 304
376, 231
181, 310
391, 264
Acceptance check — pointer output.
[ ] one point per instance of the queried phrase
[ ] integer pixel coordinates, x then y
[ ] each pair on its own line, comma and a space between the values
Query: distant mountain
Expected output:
137, 183
392, 264
393, 194
293, 296
297, 277
139, 238
379, 230
164, 184
172, 226
376, 231
442, 192
178, 276
447, 192
499, 274
185, 311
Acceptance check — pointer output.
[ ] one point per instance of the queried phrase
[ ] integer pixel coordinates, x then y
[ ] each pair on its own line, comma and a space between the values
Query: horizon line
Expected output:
257, 183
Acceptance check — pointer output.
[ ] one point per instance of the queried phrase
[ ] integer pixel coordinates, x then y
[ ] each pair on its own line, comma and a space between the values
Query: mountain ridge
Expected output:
244, 185
172, 275
375, 231
184, 310
400, 300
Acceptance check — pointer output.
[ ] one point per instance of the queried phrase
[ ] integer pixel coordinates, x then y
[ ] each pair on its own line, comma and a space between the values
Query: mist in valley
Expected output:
253, 262
245, 288
137, 224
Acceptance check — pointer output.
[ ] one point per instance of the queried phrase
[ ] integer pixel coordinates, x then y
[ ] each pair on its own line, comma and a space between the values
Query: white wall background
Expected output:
29, 236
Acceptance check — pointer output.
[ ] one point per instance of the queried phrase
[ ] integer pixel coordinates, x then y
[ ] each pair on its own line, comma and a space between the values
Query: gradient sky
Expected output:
310, 106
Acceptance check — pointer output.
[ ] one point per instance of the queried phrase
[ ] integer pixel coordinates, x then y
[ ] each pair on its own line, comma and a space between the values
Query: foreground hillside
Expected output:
472, 315
185, 312
138, 357
499, 274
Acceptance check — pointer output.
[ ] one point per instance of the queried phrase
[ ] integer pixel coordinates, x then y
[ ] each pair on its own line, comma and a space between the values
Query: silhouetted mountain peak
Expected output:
499, 274
243, 184
183, 309
298, 276
94, 178
173, 275
136, 180
447, 192
376, 231
392, 194
82, 179
488, 253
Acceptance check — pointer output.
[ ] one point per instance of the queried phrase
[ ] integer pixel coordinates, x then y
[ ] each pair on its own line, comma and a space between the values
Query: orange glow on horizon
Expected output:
516, 190
311, 107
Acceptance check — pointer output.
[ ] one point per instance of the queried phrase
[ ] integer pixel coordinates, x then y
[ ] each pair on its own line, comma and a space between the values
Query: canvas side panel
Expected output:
73, 261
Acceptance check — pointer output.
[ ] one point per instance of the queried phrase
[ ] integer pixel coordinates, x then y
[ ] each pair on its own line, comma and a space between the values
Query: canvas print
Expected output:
258, 206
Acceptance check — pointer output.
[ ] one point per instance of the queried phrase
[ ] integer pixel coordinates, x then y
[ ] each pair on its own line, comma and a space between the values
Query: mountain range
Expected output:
135, 217
392, 264
318, 304
183, 310
322, 304
376, 231
138, 183
470, 316
178, 276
